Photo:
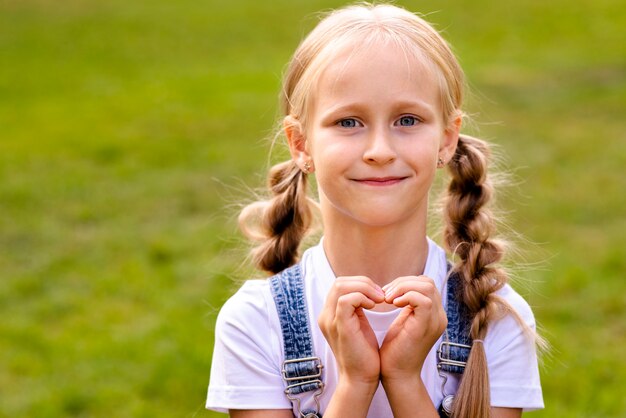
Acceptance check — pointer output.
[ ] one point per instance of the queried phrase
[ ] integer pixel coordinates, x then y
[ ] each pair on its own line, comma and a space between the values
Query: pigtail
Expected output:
280, 223
469, 225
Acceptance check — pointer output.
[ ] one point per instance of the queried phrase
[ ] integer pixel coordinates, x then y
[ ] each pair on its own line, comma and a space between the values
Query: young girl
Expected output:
372, 103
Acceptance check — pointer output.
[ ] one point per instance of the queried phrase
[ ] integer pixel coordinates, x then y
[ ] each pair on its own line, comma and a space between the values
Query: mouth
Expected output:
380, 181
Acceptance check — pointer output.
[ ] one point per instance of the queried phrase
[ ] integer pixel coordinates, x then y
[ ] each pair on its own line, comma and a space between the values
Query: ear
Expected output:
450, 139
297, 143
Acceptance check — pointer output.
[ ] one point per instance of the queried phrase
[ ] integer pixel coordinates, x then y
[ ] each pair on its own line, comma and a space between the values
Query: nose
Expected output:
379, 148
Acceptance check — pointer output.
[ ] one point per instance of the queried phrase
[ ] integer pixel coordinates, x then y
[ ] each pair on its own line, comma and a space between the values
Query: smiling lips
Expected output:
380, 181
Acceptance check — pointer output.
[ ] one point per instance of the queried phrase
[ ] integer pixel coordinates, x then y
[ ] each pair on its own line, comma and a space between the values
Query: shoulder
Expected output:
514, 329
518, 303
247, 330
249, 305
248, 321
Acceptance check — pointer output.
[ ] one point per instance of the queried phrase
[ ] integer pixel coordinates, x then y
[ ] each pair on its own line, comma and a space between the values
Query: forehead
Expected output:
381, 68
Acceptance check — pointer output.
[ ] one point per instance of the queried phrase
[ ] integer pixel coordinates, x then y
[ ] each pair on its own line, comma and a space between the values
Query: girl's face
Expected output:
375, 131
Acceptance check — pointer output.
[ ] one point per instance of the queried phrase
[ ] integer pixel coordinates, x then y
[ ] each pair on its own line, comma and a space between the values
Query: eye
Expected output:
407, 121
349, 123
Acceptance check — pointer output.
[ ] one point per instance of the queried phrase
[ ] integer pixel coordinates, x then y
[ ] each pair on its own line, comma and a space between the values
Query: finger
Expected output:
415, 300
348, 304
402, 285
345, 285
409, 279
404, 280
354, 280
425, 308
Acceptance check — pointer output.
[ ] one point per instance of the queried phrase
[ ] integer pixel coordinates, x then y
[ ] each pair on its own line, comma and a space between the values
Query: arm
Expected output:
422, 322
261, 413
407, 343
353, 343
286, 413
419, 396
506, 412
409, 398
396, 374
347, 401
350, 399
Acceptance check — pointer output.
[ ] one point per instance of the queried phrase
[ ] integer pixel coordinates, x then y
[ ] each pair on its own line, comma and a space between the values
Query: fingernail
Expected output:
380, 291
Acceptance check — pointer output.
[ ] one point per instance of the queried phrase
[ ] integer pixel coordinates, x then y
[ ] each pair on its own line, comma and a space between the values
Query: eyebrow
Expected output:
415, 104
422, 106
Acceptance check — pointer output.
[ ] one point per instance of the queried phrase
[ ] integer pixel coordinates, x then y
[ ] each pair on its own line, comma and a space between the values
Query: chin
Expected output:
379, 218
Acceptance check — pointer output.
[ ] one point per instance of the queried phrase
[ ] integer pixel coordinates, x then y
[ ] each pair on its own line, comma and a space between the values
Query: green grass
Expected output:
127, 129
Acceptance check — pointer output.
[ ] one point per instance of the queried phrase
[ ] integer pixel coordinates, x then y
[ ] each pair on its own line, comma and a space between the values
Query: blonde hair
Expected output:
283, 220
361, 26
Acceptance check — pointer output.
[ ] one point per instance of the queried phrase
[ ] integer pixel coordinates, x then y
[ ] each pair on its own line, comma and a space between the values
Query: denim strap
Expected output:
454, 350
302, 371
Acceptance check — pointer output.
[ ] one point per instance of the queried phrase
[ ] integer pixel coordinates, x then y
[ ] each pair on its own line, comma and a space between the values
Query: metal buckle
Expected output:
311, 379
316, 399
447, 361
315, 376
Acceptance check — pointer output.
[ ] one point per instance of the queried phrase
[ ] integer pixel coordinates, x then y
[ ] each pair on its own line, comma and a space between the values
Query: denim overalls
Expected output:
302, 370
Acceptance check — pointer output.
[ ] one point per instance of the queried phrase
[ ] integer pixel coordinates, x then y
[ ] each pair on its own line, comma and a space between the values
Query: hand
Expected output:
348, 331
416, 329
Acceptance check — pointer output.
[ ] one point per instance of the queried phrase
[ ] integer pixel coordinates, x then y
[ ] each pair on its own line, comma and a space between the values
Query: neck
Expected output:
380, 253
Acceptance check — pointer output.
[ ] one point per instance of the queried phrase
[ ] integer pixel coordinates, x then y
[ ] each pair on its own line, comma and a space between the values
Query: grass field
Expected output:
128, 128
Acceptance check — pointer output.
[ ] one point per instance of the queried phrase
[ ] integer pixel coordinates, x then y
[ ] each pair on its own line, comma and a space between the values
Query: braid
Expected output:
283, 220
469, 225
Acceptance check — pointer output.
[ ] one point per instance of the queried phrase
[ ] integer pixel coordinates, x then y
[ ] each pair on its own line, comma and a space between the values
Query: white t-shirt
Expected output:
248, 355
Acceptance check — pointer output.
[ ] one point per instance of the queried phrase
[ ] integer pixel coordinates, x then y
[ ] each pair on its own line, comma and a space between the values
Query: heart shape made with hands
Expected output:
349, 295
416, 296
413, 332
422, 314
408, 339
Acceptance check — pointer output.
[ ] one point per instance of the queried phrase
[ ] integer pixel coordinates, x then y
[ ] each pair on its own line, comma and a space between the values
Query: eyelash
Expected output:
414, 119
356, 123
340, 123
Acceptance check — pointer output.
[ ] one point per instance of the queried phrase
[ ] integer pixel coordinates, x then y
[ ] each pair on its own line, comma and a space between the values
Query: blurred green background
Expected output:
129, 128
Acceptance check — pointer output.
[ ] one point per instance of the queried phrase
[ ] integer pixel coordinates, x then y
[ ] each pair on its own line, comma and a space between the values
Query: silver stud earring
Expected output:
307, 167
440, 163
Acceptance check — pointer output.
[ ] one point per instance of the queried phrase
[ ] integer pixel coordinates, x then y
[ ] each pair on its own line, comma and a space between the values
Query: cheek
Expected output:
328, 153
423, 150
331, 165
326, 171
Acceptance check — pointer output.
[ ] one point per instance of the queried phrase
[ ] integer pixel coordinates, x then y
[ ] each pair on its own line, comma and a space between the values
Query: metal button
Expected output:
446, 404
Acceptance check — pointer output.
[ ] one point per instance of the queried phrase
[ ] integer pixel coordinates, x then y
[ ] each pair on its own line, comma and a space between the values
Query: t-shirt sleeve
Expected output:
245, 370
512, 358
